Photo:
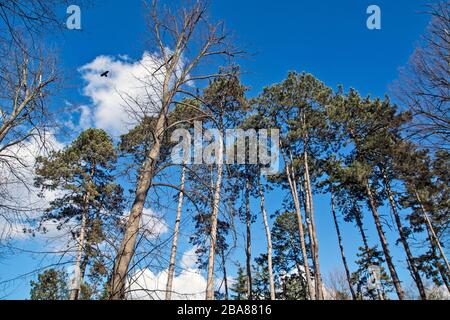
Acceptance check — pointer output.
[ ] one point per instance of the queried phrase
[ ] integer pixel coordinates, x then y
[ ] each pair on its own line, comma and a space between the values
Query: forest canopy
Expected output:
183, 181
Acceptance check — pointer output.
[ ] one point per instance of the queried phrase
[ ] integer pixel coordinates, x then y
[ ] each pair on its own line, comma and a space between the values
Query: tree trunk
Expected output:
362, 232
269, 239
384, 244
341, 247
294, 193
306, 208
79, 269
225, 278
127, 247
248, 251
409, 257
315, 247
433, 233
359, 224
213, 235
436, 259
76, 281
176, 230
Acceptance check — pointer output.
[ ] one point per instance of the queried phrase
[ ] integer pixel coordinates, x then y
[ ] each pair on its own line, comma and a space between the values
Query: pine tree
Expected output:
239, 286
253, 174
297, 107
51, 285
83, 172
363, 121
288, 264
426, 195
225, 98
262, 289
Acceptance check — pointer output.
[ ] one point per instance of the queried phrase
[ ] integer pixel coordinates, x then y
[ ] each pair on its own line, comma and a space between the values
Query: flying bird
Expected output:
104, 74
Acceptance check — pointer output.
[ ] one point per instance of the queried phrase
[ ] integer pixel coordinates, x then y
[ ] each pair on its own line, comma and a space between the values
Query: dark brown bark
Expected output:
434, 246
360, 225
341, 247
439, 266
225, 278
384, 244
409, 257
433, 233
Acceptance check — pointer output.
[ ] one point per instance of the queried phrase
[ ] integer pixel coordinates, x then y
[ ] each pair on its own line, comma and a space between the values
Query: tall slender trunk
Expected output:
439, 266
315, 247
76, 281
79, 269
127, 246
409, 257
269, 239
248, 251
360, 225
176, 231
298, 265
384, 244
341, 247
83, 266
362, 232
294, 193
433, 233
225, 278
305, 200
213, 235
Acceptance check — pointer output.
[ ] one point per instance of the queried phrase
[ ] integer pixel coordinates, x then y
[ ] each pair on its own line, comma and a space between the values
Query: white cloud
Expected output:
129, 83
189, 258
153, 224
85, 121
187, 285
18, 186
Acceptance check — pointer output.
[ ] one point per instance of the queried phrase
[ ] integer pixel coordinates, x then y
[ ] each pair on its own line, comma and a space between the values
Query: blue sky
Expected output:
327, 38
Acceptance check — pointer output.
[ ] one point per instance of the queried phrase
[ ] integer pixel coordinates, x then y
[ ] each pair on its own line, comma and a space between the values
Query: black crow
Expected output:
104, 74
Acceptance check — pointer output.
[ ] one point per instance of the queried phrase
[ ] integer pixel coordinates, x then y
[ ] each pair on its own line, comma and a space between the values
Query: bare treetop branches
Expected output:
183, 39
425, 83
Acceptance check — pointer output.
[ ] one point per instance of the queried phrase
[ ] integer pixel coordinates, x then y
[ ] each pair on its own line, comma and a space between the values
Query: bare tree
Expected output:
337, 286
27, 79
26, 85
424, 85
24, 23
184, 40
